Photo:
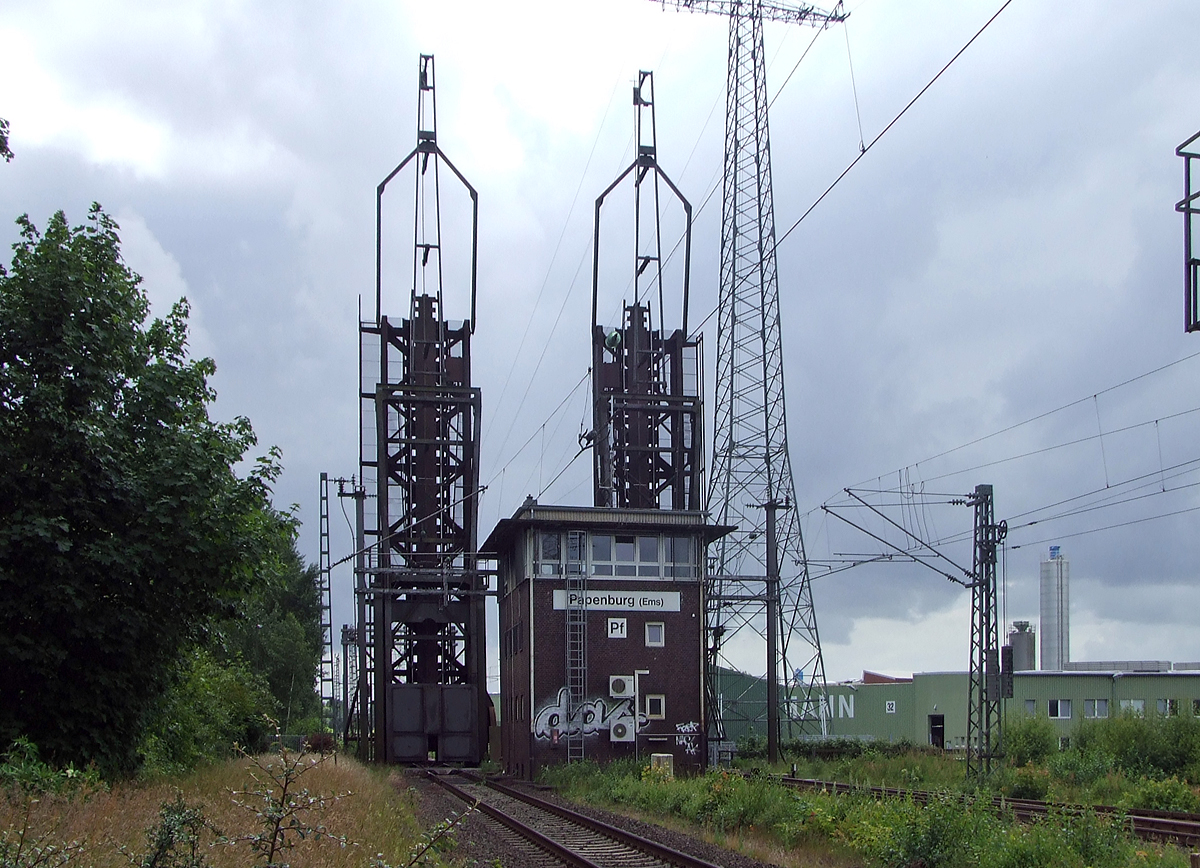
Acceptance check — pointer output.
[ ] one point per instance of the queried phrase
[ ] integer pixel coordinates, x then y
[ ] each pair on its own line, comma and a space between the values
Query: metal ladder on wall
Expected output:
576, 643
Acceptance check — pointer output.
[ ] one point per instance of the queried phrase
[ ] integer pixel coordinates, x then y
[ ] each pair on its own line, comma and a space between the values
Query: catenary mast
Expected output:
759, 582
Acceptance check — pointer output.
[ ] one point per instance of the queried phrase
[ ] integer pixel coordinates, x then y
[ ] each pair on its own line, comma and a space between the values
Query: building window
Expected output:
648, 565
655, 634
1168, 707
602, 554
576, 552
1136, 707
549, 554
681, 557
1095, 708
1196, 707
1058, 709
645, 557
656, 706
1031, 707
1064, 742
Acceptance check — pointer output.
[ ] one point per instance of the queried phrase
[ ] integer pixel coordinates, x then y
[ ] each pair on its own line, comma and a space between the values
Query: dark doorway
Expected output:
937, 730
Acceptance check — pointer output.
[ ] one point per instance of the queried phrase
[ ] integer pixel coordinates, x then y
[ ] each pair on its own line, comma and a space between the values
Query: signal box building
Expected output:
601, 634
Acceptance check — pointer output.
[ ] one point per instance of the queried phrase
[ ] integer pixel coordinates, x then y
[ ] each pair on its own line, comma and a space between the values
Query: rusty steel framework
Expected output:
759, 581
647, 407
1190, 151
646, 388
422, 687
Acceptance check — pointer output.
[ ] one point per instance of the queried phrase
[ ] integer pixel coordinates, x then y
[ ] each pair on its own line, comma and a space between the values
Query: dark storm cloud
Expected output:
1009, 247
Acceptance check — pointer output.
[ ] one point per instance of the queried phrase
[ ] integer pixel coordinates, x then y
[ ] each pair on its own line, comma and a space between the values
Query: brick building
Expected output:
601, 634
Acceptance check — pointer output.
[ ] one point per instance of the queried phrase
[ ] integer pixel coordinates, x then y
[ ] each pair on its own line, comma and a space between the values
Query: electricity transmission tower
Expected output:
759, 582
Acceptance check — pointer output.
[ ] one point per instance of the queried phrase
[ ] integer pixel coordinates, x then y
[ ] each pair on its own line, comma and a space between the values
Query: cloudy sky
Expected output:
1007, 252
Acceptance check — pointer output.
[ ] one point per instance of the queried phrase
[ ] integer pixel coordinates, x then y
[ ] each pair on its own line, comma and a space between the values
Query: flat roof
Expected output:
532, 514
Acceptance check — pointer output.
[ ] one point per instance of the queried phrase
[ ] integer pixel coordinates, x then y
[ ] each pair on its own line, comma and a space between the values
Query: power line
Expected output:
1074, 403
903, 111
1075, 442
554, 256
553, 412
1109, 527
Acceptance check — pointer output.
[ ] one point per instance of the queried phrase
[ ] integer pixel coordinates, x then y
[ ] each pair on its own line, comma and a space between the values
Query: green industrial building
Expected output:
931, 707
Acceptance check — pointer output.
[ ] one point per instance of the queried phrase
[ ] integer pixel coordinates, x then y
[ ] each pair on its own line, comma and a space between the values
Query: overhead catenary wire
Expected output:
854, 87
862, 153
536, 430
554, 256
1112, 500
1122, 524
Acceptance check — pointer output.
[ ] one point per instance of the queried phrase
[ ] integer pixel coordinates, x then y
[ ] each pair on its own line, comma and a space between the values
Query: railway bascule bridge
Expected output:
417, 689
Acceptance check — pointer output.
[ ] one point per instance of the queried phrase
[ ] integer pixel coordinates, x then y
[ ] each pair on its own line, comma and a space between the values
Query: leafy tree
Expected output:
4, 149
124, 530
209, 708
277, 634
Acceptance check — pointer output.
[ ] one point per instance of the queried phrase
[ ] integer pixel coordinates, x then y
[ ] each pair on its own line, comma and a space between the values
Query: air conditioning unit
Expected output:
622, 729
620, 686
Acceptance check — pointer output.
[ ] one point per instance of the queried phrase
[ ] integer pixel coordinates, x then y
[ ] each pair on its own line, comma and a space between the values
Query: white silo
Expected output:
1055, 611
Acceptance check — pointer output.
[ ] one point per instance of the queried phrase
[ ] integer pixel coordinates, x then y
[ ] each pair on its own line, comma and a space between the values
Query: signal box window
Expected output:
681, 557
656, 706
549, 554
626, 556
655, 634
602, 554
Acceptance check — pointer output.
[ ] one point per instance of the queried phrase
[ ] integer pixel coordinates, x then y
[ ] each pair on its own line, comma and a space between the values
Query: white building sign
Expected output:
622, 601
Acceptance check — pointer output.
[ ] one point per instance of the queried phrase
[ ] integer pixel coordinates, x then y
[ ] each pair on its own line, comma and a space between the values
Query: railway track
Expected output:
562, 836
1171, 826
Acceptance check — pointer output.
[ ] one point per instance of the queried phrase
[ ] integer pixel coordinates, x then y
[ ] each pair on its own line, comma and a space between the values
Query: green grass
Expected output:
858, 829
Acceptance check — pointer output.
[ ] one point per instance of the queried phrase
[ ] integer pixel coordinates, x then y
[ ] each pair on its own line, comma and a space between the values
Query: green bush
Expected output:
1151, 746
1170, 794
211, 707
1027, 782
1081, 768
1028, 739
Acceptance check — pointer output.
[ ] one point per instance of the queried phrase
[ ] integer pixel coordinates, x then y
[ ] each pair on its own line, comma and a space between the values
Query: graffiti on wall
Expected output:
688, 738
595, 715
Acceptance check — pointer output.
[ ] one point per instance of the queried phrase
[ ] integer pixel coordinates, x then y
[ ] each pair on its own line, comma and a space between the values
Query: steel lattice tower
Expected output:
751, 484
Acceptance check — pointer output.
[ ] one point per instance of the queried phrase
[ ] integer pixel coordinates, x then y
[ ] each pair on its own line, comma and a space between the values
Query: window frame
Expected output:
662, 634
661, 699
1093, 707
1056, 707
1167, 707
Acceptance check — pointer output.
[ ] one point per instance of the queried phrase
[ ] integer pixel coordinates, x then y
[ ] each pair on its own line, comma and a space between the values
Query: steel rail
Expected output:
644, 846
660, 851
530, 834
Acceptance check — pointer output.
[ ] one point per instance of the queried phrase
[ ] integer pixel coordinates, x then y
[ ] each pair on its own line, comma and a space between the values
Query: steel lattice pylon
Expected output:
985, 689
751, 469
